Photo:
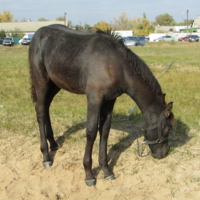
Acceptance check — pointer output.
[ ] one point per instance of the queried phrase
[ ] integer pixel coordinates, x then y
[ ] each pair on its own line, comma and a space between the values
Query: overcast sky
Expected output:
92, 11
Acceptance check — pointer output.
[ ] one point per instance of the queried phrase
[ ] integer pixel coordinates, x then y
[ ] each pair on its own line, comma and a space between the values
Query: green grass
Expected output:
181, 83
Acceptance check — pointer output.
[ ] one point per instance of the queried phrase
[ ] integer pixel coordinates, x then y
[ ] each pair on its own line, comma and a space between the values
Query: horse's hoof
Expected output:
110, 177
90, 182
47, 164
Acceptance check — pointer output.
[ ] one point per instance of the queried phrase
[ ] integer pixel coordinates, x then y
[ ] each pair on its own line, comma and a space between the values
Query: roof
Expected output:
27, 26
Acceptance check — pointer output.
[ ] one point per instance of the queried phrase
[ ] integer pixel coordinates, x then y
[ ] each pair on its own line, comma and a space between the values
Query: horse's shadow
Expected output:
178, 137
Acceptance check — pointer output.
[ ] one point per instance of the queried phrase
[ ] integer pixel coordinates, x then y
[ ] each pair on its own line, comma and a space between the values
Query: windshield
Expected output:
7, 38
141, 37
194, 36
130, 38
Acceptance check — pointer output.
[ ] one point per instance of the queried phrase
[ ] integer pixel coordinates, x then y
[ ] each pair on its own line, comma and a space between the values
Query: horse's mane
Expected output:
139, 67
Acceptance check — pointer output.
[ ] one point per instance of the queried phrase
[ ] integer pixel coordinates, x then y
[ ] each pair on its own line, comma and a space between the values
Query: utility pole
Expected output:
65, 18
187, 19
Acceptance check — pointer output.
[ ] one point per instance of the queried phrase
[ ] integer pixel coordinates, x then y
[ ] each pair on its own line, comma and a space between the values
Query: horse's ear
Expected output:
164, 96
168, 109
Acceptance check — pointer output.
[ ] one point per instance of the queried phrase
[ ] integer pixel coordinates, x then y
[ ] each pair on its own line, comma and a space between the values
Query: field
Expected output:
175, 177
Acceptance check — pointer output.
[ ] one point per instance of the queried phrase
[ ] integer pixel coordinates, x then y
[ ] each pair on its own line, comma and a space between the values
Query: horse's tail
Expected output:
33, 91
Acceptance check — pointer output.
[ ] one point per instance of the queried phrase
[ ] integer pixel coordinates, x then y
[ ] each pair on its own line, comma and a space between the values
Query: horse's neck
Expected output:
146, 100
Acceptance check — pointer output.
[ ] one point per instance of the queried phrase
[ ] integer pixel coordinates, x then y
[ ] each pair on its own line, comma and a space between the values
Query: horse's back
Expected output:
77, 61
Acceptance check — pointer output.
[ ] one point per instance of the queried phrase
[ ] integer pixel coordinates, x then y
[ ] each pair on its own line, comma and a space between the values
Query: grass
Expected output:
181, 83
68, 111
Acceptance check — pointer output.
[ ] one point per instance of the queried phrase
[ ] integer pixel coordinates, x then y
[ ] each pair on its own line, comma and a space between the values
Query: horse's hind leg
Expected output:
49, 132
45, 90
104, 129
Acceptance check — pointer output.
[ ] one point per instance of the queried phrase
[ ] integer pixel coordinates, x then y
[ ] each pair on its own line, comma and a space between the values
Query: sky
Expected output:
81, 12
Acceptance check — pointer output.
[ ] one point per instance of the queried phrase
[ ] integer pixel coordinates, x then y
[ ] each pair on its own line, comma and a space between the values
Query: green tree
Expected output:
102, 25
87, 28
60, 19
42, 19
16, 33
122, 22
6, 16
2, 33
184, 23
78, 28
142, 27
165, 20
69, 24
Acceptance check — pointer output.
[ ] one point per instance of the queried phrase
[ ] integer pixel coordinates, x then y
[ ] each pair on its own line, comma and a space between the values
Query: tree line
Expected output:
140, 26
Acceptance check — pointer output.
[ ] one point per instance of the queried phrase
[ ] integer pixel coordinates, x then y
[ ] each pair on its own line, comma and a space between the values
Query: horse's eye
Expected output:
169, 129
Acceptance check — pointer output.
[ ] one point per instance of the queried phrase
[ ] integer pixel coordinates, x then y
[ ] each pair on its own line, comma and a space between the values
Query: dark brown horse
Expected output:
101, 67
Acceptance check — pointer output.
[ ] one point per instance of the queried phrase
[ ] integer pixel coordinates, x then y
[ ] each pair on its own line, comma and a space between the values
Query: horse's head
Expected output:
156, 136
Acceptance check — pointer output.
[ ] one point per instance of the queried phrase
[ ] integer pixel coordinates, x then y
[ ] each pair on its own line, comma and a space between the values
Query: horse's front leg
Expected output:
91, 132
104, 129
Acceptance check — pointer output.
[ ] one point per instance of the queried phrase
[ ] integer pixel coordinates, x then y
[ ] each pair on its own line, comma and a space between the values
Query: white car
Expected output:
25, 41
164, 38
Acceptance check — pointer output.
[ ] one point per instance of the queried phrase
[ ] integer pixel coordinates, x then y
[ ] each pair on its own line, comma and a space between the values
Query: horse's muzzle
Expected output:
160, 152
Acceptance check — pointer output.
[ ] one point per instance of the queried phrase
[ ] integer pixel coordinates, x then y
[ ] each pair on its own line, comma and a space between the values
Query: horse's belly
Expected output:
69, 84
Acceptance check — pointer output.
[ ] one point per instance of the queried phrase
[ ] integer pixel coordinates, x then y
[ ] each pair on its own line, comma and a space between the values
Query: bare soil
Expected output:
144, 178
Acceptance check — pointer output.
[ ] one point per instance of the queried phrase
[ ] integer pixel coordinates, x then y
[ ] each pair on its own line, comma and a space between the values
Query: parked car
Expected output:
186, 38
190, 38
1, 40
164, 38
26, 41
131, 41
147, 38
142, 40
8, 41
194, 38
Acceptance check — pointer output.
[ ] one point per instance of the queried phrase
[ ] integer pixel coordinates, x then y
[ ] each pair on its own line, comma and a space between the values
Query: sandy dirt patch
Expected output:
23, 176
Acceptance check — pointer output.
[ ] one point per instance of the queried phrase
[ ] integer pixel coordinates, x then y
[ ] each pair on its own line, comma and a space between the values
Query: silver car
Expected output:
26, 41
141, 39
164, 38
131, 41
8, 41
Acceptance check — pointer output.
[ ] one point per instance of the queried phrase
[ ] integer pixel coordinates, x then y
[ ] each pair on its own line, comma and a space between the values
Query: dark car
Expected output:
142, 40
25, 41
193, 38
131, 41
1, 40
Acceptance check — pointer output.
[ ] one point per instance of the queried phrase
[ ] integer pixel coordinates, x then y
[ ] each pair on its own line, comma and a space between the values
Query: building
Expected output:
196, 23
26, 27
167, 29
195, 27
